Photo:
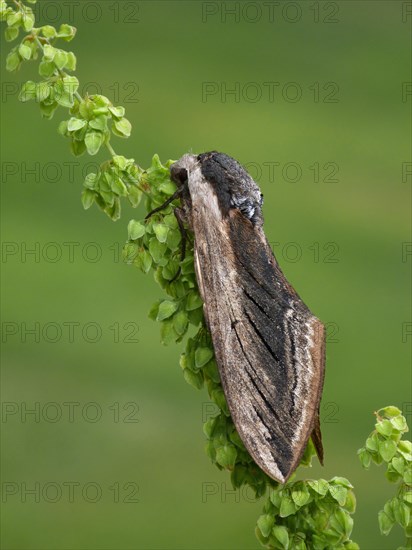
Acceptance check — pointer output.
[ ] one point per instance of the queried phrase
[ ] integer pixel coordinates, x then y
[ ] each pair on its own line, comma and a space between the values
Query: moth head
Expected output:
178, 174
180, 169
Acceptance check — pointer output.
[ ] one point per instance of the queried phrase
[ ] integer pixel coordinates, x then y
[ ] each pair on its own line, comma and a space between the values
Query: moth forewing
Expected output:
269, 347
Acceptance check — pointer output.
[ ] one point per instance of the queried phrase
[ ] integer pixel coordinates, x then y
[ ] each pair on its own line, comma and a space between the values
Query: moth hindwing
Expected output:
269, 348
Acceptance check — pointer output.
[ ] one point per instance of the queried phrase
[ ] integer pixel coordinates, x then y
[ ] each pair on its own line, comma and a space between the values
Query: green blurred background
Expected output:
162, 54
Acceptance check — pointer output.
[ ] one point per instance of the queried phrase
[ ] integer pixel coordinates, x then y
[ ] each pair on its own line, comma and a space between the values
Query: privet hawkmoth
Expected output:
269, 348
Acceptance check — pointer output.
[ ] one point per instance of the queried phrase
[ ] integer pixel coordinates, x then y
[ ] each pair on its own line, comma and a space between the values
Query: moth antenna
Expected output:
176, 195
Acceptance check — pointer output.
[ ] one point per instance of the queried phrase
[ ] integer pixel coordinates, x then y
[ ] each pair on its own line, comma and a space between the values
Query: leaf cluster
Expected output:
386, 446
93, 118
309, 515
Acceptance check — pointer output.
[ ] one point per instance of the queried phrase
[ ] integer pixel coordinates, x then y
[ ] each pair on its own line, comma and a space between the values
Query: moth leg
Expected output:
175, 195
181, 218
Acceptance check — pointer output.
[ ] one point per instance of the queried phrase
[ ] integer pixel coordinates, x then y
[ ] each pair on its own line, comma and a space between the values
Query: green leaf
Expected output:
120, 161
113, 209
195, 379
300, 495
372, 443
385, 523
49, 52
364, 457
24, 51
93, 141
337, 480
275, 498
88, 198
117, 112
154, 310
208, 427
129, 252
67, 32
384, 427
211, 371
399, 423
263, 540
161, 231
118, 187
218, 396
174, 238
170, 270
226, 456
28, 21
398, 464
320, 486
350, 504
287, 507
47, 109
180, 322
71, 61
194, 301
48, 31
388, 509
135, 230
99, 123
123, 127
389, 411
78, 148
392, 475
75, 124
134, 196
265, 524
405, 448
60, 59
187, 265
46, 68
195, 316
235, 439
309, 454
403, 515
167, 333
202, 356
70, 84
166, 310
238, 476
64, 99
14, 18
143, 260
42, 91
341, 522
13, 61
157, 250
28, 91
11, 33
339, 493
171, 221
167, 187
407, 495
387, 449
281, 534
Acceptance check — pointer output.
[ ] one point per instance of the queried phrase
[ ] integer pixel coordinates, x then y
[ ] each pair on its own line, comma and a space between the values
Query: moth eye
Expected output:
178, 175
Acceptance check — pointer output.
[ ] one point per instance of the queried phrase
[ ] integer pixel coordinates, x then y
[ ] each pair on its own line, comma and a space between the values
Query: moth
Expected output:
269, 347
